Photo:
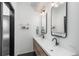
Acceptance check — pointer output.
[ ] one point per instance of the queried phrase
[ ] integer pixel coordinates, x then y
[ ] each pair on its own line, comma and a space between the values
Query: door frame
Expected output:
0, 29
11, 47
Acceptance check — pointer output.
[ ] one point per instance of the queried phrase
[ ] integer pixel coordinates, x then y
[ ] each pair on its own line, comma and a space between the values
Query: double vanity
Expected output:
45, 47
51, 47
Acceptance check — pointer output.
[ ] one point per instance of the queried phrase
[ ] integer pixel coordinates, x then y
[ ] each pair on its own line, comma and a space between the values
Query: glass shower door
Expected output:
6, 30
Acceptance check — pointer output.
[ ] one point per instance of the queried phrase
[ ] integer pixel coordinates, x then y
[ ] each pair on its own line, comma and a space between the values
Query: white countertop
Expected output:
48, 45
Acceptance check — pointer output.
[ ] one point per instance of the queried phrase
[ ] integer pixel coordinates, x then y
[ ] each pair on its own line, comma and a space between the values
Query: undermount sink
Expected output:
60, 51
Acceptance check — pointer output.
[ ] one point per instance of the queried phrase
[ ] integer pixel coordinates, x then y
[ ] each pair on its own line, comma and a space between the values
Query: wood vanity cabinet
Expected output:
37, 49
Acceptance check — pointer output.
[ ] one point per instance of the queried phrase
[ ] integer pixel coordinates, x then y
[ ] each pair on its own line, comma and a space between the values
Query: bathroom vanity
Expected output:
45, 47
38, 50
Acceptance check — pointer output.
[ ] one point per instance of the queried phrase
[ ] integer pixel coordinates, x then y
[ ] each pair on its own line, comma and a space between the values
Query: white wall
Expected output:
24, 14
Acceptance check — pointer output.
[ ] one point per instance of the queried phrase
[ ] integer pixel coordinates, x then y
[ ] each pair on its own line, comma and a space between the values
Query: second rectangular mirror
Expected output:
59, 19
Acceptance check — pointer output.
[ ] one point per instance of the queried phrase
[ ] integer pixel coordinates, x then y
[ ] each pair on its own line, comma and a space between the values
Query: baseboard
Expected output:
28, 54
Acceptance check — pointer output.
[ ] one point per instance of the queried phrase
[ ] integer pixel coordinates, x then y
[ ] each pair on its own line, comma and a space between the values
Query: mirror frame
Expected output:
65, 23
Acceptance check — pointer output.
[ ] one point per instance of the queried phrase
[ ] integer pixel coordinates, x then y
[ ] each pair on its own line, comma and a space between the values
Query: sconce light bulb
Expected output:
43, 12
56, 5
52, 4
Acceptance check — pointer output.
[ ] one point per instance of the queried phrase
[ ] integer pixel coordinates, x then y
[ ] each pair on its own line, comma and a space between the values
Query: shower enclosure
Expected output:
6, 29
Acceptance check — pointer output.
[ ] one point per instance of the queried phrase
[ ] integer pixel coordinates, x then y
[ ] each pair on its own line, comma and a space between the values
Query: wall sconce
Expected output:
54, 4
43, 11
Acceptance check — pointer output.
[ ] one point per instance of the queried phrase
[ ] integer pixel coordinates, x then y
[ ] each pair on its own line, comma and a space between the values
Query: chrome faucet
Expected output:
56, 43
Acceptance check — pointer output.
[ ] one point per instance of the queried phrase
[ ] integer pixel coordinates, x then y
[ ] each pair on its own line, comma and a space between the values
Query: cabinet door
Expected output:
39, 51
35, 49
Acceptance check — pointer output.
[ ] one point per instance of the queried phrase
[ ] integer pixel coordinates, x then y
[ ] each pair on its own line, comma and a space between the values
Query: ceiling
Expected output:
38, 6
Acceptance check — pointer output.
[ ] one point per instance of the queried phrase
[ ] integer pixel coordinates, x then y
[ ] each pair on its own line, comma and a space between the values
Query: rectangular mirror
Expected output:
44, 23
59, 20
